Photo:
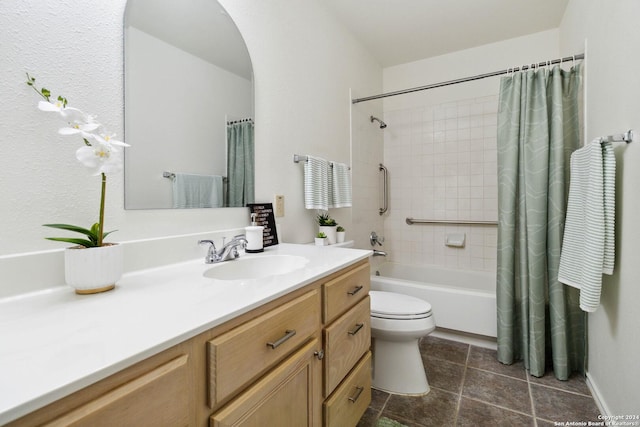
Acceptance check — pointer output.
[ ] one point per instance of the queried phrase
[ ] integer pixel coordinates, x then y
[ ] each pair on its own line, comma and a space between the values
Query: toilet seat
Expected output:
390, 305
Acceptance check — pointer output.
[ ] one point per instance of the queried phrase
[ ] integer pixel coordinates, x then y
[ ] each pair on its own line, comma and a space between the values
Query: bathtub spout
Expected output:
379, 253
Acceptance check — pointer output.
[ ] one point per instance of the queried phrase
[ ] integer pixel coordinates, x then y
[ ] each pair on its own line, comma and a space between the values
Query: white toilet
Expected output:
398, 321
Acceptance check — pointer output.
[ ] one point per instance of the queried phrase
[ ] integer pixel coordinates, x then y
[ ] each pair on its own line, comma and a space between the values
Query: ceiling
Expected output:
401, 31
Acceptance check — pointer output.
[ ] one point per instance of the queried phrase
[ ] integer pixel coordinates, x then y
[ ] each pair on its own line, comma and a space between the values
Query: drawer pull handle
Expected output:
356, 329
288, 334
355, 290
355, 397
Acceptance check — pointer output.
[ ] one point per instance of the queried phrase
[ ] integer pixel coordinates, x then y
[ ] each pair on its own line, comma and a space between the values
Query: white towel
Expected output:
340, 186
316, 183
197, 191
588, 242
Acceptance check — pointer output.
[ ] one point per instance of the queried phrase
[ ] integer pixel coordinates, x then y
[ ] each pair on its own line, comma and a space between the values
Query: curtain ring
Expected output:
574, 60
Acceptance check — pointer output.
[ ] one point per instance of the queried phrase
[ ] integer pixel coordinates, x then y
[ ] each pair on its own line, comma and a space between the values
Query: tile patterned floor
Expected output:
469, 387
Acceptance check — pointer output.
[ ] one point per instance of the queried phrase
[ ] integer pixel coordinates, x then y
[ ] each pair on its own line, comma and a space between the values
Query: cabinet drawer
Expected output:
158, 398
289, 395
242, 354
349, 402
346, 340
345, 291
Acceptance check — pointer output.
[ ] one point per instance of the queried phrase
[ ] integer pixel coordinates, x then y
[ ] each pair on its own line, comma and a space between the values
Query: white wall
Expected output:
304, 63
440, 148
613, 106
177, 108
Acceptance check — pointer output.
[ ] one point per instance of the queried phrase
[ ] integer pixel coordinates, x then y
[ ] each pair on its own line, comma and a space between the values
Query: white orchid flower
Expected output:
80, 123
107, 138
56, 106
100, 158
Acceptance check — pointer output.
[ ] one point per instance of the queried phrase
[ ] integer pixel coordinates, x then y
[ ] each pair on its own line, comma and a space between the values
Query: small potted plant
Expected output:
340, 233
321, 239
91, 265
327, 225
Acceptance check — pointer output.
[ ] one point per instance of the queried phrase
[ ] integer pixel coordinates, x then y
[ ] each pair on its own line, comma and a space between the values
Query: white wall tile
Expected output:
444, 168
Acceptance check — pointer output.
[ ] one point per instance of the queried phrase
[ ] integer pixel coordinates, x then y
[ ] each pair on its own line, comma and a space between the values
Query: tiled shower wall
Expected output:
442, 165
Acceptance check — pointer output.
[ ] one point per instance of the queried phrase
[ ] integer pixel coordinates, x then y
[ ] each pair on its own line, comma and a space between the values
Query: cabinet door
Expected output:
158, 398
289, 395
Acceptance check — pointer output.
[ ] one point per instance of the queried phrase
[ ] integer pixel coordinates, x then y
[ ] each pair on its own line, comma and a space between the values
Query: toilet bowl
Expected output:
398, 322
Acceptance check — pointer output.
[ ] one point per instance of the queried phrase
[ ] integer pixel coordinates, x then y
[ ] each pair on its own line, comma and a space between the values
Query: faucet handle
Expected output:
212, 246
207, 242
374, 238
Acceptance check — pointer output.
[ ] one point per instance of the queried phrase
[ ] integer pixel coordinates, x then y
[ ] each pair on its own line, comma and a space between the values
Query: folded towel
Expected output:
340, 186
197, 191
316, 183
588, 242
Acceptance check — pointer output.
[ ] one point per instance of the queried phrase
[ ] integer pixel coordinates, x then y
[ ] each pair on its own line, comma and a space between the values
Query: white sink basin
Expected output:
257, 267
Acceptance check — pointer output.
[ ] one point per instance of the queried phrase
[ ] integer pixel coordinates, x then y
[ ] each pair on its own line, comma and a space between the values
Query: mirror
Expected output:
187, 76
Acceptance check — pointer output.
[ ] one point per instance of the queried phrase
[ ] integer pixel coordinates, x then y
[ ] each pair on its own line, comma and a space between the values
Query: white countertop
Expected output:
56, 342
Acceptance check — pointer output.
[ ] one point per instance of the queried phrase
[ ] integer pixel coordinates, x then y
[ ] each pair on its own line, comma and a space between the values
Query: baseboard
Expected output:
597, 396
465, 337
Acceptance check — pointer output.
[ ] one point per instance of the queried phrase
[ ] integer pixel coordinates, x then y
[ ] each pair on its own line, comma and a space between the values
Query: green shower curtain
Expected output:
240, 164
539, 319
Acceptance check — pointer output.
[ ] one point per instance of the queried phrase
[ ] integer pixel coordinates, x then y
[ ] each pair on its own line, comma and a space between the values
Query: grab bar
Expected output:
411, 221
385, 189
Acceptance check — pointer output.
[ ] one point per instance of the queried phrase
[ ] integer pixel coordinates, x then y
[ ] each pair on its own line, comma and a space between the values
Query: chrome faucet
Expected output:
230, 250
379, 253
212, 256
227, 252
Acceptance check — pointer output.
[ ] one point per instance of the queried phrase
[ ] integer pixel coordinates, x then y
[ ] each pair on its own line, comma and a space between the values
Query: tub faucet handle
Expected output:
374, 238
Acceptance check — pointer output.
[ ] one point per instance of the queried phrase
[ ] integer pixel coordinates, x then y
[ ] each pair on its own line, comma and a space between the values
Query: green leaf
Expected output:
107, 233
91, 233
73, 228
74, 241
45, 92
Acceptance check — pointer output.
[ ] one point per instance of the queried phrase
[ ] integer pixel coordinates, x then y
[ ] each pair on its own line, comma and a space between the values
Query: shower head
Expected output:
382, 124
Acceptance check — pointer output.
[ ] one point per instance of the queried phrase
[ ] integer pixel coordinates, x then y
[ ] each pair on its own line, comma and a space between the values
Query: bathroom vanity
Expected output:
172, 347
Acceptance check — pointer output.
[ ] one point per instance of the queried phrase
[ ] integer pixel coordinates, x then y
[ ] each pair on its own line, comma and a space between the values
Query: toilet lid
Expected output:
390, 305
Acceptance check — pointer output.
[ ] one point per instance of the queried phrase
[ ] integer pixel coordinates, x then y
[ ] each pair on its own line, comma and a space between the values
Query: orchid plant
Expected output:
101, 154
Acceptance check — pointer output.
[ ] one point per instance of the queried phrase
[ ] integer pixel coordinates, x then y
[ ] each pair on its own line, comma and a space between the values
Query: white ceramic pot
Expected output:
340, 236
93, 270
330, 232
321, 241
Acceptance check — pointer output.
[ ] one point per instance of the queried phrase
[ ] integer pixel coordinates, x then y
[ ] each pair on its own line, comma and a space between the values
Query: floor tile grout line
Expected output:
464, 377
532, 402
499, 406
498, 373
577, 393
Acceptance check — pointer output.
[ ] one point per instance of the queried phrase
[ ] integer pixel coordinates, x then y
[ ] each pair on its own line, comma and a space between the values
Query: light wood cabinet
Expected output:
155, 392
347, 340
248, 351
300, 360
343, 291
347, 404
158, 398
288, 395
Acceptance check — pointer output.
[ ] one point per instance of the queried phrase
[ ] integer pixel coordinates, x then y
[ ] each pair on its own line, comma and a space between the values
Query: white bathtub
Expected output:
461, 300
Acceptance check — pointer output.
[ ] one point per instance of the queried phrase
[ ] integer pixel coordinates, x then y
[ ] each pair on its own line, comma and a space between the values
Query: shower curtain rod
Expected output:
469, 79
